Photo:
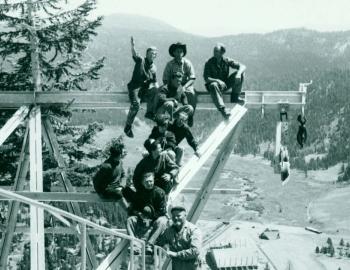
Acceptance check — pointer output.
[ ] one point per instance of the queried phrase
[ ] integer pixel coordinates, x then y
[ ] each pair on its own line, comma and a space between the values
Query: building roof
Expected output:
233, 257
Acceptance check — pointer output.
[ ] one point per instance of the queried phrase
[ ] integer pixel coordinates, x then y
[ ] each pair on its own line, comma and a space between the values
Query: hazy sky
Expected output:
219, 17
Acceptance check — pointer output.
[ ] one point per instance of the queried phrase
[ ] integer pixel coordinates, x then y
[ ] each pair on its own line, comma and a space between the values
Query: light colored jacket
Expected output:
187, 243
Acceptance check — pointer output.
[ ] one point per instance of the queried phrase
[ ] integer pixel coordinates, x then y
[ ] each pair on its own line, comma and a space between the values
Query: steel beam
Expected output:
103, 100
278, 138
37, 244
214, 174
13, 123
206, 150
94, 198
117, 257
73, 207
21, 173
64, 230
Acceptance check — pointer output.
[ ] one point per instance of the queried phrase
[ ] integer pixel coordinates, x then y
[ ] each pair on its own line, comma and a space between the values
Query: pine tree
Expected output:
317, 250
331, 251
341, 243
45, 41
329, 242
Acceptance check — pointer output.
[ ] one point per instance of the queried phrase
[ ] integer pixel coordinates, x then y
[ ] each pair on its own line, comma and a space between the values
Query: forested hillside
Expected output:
275, 61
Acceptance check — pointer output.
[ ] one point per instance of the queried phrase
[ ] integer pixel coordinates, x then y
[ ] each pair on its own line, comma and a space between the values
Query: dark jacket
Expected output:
181, 133
169, 93
108, 174
154, 198
163, 164
220, 71
144, 73
167, 139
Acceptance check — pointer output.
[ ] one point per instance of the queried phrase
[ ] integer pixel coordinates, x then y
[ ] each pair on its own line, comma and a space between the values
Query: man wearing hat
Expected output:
181, 64
108, 179
183, 241
218, 79
172, 99
147, 214
143, 80
160, 163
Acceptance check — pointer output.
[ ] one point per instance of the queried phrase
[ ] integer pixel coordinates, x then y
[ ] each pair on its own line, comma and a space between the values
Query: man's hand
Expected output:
166, 177
221, 83
132, 41
197, 154
172, 254
238, 77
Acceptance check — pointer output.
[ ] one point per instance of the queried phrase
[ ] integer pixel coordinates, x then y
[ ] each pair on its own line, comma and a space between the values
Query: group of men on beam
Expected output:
177, 94
172, 107
153, 179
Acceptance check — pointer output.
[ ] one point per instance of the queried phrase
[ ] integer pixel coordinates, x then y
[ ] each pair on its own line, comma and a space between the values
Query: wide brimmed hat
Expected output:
174, 46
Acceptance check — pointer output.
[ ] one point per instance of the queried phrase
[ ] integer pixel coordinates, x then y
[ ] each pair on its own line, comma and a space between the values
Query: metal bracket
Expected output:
283, 111
262, 106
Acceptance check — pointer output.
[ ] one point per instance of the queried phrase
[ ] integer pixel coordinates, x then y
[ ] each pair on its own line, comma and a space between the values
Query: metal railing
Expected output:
128, 241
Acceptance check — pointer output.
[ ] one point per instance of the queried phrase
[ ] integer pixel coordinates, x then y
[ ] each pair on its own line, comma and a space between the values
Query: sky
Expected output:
224, 17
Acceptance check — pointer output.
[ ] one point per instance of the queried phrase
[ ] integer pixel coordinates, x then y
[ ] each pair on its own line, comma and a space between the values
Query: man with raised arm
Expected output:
218, 79
144, 80
181, 64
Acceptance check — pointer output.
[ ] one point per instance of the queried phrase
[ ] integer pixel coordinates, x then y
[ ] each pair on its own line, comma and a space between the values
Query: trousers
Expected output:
148, 95
216, 90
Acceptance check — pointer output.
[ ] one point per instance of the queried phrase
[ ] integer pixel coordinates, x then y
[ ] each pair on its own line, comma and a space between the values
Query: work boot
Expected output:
128, 131
224, 113
149, 249
236, 99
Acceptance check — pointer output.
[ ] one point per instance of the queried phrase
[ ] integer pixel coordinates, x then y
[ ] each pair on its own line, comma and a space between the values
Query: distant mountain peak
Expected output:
137, 22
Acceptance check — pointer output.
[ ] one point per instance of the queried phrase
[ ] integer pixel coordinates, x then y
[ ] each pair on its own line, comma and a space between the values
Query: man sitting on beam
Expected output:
144, 80
172, 98
147, 214
218, 79
108, 179
164, 167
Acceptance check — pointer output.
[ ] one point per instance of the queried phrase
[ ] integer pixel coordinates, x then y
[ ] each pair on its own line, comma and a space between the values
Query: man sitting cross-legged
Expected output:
147, 214
172, 98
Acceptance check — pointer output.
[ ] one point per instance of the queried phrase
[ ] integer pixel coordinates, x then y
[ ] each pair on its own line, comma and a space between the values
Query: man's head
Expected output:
162, 123
116, 153
178, 50
148, 180
176, 79
219, 50
151, 54
178, 216
181, 119
153, 147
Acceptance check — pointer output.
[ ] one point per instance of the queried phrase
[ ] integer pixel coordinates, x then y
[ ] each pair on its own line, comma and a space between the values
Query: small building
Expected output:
233, 258
270, 234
